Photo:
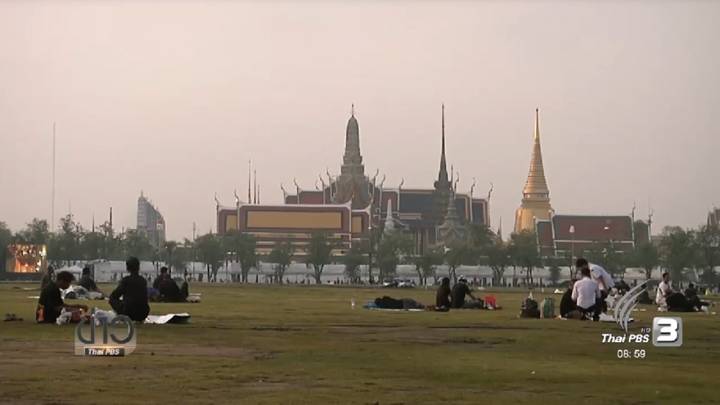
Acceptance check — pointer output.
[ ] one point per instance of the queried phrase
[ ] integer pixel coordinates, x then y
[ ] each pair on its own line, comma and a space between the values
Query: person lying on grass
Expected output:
50, 304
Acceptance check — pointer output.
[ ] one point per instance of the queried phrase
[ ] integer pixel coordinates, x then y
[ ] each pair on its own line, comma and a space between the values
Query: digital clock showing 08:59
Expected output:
631, 354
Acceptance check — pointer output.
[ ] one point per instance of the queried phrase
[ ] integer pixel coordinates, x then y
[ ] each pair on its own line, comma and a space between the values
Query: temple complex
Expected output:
350, 205
570, 235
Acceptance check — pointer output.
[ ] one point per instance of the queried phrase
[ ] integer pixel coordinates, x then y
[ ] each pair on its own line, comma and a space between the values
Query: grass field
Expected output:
291, 344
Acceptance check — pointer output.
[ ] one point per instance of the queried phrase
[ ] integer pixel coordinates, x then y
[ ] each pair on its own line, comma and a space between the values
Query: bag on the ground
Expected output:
548, 308
529, 309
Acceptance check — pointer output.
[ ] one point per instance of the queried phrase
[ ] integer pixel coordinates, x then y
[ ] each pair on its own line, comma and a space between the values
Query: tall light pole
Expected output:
572, 249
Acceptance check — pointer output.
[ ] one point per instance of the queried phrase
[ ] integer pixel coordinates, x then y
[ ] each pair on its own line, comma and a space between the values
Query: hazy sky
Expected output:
174, 97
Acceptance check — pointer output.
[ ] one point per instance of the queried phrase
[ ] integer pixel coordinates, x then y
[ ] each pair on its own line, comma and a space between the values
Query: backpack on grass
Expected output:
548, 308
529, 309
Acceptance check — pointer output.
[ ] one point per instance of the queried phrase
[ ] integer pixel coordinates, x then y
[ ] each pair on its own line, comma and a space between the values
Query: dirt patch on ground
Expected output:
485, 327
42, 352
201, 351
276, 328
488, 342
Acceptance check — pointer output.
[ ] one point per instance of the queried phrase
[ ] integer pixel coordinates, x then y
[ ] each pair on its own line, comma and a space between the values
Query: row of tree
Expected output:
679, 251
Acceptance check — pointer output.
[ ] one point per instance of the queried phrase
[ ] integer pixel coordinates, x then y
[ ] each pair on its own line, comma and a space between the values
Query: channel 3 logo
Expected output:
667, 331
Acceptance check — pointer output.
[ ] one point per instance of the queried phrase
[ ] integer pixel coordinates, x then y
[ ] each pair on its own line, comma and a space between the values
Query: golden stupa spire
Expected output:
536, 186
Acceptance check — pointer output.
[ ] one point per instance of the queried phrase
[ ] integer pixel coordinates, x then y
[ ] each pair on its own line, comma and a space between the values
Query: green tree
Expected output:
498, 258
481, 237
243, 247
65, 245
91, 244
390, 252
426, 264
319, 254
707, 247
111, 247
676, 251
135, 243
553, 266
6, 237
524, 253
280, 256
247, 255
37, 232
169, 249
647, 257
210, 252
352, 260
459, 254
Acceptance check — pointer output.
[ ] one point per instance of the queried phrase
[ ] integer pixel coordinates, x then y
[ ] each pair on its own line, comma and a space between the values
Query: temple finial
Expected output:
537, 124
443, 130
352, 110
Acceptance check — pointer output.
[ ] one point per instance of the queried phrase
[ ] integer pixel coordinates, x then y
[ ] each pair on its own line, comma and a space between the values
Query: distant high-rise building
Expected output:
714, 217
535, 204
150, 222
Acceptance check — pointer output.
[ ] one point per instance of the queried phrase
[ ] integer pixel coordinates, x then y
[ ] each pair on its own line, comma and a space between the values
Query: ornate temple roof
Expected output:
536, 185
452, 229
352, 154
442, 182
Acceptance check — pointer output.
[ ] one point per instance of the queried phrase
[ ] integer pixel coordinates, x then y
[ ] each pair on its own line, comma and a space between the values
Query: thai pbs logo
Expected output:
99, 336
666, 331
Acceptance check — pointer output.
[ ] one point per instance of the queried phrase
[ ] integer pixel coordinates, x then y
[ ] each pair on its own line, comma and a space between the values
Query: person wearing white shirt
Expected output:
585, 293
663, 292
602, 277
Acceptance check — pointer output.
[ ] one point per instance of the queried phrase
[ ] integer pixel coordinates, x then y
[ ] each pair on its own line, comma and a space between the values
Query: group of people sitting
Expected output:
447, 298
586, 297
165, 289
129, 298
668, 299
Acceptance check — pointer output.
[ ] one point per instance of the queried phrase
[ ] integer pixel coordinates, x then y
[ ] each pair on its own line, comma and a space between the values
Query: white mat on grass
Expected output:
168, 318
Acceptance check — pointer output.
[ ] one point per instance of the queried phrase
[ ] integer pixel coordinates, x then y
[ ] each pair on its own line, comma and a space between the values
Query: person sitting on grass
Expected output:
163, 275
442, 297
668, 299
130, 297
586, 293
567, 304
170, 292
459, 291
50, 304
691, 294
87, 282
47, 278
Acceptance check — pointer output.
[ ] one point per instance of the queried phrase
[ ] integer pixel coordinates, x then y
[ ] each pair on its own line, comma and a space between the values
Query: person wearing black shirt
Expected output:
163, 275
130, 297
170, 292
50, 304
442, 297
86, 281
567, 304
692, 296
47, 278
459, 291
